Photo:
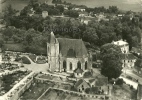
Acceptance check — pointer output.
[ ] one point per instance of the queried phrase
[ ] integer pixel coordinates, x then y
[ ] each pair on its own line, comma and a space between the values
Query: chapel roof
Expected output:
72, 46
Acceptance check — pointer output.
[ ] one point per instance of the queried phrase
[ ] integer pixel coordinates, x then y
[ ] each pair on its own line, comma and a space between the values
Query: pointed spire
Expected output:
52, 38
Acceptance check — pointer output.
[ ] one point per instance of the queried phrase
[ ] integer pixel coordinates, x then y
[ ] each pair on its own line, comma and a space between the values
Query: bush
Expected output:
119, 81
25, 60
131, 87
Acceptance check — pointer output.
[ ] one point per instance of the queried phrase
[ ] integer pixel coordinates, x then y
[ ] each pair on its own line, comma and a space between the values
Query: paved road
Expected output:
36, 67
130, 73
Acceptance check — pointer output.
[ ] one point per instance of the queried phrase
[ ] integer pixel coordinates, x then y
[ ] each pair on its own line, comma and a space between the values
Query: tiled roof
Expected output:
128, 56
75, 46
78, 83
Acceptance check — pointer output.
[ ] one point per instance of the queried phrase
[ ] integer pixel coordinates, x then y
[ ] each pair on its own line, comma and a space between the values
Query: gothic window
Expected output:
86, 65
70, 66
79, 64
64, 65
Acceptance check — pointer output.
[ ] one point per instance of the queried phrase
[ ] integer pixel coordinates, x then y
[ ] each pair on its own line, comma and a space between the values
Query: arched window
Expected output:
79, 64
64, 65
70, 66
86, 65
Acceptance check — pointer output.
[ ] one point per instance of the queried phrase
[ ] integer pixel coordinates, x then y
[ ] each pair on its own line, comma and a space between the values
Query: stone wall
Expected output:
19, 88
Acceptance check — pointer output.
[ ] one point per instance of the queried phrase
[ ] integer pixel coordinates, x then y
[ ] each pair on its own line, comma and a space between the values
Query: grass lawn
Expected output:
124, 92
35, 91
25, 60
53, 94
32, 57
13, 47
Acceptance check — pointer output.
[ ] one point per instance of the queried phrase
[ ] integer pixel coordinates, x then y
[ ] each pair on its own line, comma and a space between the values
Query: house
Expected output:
44, 14
31, 12
81, 85
123, 45
128, 60
66, 55
139, 92
99, 84
82, 9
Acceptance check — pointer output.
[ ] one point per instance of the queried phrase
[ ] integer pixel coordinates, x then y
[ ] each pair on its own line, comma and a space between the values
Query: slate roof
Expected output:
78, 83
128, 56
73, 46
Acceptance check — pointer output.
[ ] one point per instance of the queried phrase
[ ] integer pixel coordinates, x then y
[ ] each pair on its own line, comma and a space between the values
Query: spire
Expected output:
52, 38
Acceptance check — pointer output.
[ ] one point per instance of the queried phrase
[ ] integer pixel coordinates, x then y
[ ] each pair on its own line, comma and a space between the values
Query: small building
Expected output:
128, 60
139, 92
82, 9
44, 14
78, 73
123, 45
81, 85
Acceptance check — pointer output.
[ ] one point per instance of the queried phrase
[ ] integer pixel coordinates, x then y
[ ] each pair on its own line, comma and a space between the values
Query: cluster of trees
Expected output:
31, 40
111, 9
96, 33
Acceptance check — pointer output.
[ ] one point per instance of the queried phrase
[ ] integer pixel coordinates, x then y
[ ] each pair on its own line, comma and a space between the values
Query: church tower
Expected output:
53, 53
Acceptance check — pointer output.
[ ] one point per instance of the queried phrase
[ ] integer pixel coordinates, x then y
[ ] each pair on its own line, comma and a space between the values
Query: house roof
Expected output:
129, 56
76, 45
120, 42
139, 94
78, 83
78, 70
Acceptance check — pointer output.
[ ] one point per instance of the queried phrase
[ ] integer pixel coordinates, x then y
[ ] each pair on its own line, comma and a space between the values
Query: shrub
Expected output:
131, 87
25, 60
119, 81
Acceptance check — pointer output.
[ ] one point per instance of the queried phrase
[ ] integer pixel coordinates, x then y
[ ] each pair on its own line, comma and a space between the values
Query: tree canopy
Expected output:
111, 57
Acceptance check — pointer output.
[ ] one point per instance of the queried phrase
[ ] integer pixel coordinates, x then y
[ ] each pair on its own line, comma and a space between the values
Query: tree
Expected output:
111, 57
139, 63
60, 8
9, 12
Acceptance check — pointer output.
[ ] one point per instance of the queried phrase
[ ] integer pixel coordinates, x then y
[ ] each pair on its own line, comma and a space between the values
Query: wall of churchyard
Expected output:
18, 90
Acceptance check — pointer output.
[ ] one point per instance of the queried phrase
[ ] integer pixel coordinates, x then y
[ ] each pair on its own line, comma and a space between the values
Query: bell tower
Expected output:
53, 53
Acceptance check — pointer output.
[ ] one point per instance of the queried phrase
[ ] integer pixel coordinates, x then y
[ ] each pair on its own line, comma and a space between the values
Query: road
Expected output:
130, 73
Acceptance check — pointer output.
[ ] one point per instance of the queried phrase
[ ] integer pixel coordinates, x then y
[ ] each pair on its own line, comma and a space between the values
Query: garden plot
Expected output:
36, 90
8, 81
